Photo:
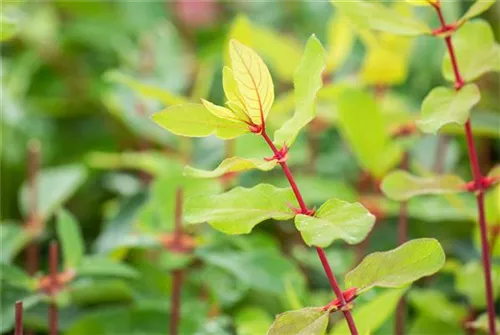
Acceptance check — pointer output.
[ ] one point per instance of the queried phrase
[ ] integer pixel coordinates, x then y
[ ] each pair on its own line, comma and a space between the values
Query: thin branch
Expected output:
32, 221
53, 267
18, 330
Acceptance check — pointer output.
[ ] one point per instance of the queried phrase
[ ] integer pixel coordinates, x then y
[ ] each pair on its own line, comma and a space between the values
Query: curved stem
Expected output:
324, 261
476, 172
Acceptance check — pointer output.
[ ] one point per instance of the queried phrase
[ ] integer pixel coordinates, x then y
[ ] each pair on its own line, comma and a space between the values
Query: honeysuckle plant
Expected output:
249, 91
471, 52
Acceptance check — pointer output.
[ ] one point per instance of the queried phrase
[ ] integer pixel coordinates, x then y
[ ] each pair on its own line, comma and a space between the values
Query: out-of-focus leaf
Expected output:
13, 238
204, 79
55, 186
94, 291
241, 30
426, 325
8, 299
449, 312
445, 105
401, 185
70, 238
477, 8
405, 264
253, 79
469, 281
194, 120
307, 82
310, 321
233, 164
239, 210
340, 41
10, 20
335, 219
363, 126
481, 323
373, 15
16, 277
101, 266
223, 285
252, 320
421, 2
371, 316
484, 124
475, 50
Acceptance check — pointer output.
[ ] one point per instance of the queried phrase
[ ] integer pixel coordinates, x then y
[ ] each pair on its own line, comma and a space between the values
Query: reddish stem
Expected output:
33, 222
324, 261
177, 275
53, 268
18, 329
478, 178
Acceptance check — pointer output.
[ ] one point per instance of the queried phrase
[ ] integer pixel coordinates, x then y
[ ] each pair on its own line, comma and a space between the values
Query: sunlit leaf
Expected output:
405, 264
335, 219
370, 316
219, 111
340, 41
469, 281
68, 179
306, 321
254, 81
71, 239
421, 2
374, 15
233, 164
194, 120
235, 100
477, 8
146, 90
443, 106
241, 30
239, 210
362, 124
476, 51
401, 185
307, 82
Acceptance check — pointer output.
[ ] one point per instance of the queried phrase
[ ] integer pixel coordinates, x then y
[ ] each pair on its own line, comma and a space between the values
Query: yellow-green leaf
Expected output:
305, 321
307, 82
233, 164
341, 38
194, 120
421, 2
219, 111
401, 185
234, 99
477, 8
335, 219
254, 81
444, 105
241, 30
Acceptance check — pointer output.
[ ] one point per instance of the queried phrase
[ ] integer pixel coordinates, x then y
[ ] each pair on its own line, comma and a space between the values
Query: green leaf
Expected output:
305, 321
252, 321
401, 185
254, 81
335, 219
443, 106
100, 266
370, 316
482, 323
477, 8
71, 240
449, 312
194, 120
372, 15
362, 124
341, 37
469, 281
475, 50
307, 82
145, 90
241, 209
405, 264
233, 164
16, 277
426, 325
67, 178
13, 238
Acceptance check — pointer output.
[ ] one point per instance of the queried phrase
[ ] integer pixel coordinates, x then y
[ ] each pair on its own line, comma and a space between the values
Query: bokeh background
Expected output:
79, 82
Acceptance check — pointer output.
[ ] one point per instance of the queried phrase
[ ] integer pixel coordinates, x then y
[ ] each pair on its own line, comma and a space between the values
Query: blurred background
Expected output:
79, 82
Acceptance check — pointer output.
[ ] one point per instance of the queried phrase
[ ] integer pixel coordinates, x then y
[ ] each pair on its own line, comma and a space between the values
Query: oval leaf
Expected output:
194, 120
71, 239
479, 7
405, 264
305, 321
335, 219
241, 209
401, 185
307, 82
443, 106
233, 164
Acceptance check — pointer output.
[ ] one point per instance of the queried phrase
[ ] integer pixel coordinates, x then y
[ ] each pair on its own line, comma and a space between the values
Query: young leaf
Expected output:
101, 266
373, 15
145, 90
394, 268
234, 99
362, 124
476, 52
307, 82
443, 106
371, 315
305, 321
71, 239
239, 210
233, 164
401, 185
479, 7
194, 120
341, 39
335, 219
254, 81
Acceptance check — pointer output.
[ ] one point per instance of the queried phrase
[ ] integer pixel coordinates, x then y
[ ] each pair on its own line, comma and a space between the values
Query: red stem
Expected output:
324, 261
18, 330
476, 172
33, 221
177, 275
53, 267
